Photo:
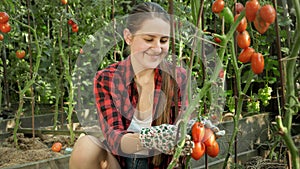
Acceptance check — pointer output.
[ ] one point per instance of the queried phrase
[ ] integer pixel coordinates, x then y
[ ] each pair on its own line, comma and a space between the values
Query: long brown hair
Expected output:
138, 15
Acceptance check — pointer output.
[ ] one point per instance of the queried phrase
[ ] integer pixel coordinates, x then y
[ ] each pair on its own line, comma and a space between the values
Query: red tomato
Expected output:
217, 6
217, 40
242, 25
245, 55
257, 63
213, 150
209, 137
71, 22
198, 130
75, 28
221, 74
267, 13
4, 17
239, 7
64, 2
243, 39
56, 147
251, 8
5, 28
198, 151
260, 25
1, 37
20, 54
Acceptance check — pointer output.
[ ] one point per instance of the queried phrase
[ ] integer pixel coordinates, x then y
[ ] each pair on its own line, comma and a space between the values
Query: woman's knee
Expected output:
86, 153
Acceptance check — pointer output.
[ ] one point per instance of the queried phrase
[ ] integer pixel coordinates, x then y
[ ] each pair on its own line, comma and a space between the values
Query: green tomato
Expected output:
228, 15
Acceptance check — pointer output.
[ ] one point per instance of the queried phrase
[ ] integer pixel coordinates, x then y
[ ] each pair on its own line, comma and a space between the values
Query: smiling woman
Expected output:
133, 96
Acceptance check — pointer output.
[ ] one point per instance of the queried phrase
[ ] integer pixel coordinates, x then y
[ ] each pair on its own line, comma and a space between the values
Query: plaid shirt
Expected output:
116, 98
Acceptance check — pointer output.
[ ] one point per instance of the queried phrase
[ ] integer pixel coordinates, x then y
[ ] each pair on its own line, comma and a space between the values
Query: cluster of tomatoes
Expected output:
73, 25
4, 24
262, 18
205, 141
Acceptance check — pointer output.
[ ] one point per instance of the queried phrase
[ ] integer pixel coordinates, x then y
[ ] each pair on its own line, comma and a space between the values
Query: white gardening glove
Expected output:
162, 138
208, 124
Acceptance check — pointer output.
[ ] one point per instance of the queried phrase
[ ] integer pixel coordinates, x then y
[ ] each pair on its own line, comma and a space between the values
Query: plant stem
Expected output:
28, 83
68, 78
292, 108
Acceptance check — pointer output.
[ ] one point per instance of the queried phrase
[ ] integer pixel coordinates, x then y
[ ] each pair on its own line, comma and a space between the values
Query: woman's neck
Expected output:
143, 76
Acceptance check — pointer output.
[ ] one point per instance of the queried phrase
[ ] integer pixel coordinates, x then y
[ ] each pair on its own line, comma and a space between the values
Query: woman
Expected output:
135, 100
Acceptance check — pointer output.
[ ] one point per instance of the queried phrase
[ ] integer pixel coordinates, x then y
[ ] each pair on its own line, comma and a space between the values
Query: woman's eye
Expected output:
164, 40
148, 40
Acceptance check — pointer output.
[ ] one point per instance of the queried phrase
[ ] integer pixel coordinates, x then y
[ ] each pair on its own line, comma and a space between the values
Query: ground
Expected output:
30, 149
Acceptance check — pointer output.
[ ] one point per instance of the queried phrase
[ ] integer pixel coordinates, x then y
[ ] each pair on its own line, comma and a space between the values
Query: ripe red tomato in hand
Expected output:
242, 25
239, 7
243, 39
5, 28
251, 7
75, 28
257, 63
20, 54
198, 151
267, 13
56, 147
4, 17
217, 6
198, 131
64, 2
245, 55
209, 137
213, 150
1, 37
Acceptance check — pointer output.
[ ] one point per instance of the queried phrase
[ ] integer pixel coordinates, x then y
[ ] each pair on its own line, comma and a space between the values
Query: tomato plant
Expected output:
242, 25
198, 131
245, 55
251, 7
198, 151
213, 150
257, 63
267, 13
1, 37
243, 39
20, 54
4, 17
5, 28
217, 6
56, 147
209, 137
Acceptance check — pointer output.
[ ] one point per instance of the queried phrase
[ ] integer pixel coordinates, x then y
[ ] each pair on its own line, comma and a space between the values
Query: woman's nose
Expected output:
156, 46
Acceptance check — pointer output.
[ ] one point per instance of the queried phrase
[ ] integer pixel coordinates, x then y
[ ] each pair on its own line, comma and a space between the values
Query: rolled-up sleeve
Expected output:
106, 91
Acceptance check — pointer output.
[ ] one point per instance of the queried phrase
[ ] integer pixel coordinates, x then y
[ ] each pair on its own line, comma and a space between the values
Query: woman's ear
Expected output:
127, 36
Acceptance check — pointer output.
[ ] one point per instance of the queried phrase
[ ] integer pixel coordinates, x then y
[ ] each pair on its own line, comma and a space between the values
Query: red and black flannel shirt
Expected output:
116, 98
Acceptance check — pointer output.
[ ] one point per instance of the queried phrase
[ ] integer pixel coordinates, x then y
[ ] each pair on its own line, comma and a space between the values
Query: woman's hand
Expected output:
163, 139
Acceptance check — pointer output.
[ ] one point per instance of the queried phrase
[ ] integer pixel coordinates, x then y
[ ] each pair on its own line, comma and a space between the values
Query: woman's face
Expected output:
150, 44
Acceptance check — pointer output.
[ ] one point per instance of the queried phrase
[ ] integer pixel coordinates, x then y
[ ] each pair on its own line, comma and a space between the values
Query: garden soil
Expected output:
30, 150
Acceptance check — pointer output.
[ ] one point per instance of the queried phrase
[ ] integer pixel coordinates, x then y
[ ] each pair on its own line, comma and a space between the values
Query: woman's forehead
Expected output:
154, 27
